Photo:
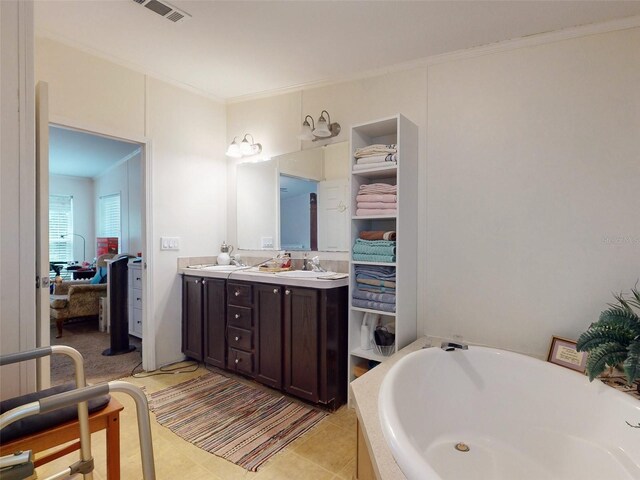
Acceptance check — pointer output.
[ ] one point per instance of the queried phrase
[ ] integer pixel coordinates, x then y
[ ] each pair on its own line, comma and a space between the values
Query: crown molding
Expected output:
497, 47
502, 46
47, 34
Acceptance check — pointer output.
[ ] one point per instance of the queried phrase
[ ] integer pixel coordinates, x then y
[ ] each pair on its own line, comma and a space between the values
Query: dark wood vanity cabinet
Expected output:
240, 335
315, 344
268, 313
214, 351
203, 319
192, 325
289, 338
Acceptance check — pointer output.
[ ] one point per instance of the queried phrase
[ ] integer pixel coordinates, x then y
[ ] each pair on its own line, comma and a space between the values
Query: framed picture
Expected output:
563, 352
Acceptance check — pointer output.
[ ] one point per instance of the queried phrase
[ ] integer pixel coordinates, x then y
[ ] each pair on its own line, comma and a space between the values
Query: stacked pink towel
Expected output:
377, 199
376, 155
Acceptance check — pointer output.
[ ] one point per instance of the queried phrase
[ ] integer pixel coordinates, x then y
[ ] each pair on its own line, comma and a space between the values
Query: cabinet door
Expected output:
192, 317
301, 343
268, 311
214, 322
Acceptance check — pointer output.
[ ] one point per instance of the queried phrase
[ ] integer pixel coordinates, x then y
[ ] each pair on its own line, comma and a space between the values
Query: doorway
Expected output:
97, 208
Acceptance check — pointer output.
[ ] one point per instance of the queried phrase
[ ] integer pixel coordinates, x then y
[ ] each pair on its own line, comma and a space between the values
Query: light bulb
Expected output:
322, 130
234, 150
305, 132
245, 147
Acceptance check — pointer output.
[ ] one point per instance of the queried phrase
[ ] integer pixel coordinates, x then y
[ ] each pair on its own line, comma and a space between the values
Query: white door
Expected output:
333, 215
42, 230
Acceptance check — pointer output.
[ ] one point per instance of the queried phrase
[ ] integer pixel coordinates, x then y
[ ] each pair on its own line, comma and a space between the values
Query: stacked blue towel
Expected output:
376, 288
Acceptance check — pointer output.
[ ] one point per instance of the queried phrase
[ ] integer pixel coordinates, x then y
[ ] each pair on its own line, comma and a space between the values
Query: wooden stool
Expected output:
106, 419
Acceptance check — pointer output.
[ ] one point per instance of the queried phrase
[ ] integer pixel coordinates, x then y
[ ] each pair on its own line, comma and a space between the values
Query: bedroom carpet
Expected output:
85, 337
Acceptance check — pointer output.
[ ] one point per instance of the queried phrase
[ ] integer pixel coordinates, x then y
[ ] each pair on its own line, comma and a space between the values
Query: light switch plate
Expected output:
266, 242
169, 243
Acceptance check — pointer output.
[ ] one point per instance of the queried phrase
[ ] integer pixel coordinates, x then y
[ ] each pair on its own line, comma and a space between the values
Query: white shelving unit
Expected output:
404, 133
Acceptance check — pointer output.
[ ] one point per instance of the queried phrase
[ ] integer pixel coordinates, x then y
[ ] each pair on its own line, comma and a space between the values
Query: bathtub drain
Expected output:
462, 447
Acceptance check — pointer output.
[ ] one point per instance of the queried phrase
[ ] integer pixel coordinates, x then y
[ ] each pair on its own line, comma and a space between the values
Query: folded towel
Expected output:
367, 166
369, 197
370, 288
368, 212
375, 188
375, 243
375, 283
381, 272
363, 257
389, 157
375, 149
370, 305
374, 250
374, 297
380, 205
377, 235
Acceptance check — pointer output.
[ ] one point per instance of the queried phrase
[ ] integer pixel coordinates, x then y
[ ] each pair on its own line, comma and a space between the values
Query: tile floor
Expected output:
326, 452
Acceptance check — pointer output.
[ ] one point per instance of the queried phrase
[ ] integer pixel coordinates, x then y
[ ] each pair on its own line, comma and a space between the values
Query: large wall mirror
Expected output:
298, 201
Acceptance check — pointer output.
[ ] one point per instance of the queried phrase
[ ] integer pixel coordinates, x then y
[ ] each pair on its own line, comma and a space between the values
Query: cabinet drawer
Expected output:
239, 317
136, 298
239, 294
137, 321
240, 361
136, 278
240, 338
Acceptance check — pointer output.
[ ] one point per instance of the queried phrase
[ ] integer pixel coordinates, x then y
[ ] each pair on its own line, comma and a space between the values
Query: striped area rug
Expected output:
239, 423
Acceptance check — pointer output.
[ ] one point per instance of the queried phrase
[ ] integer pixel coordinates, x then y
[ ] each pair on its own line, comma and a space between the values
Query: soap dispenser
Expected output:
224, 257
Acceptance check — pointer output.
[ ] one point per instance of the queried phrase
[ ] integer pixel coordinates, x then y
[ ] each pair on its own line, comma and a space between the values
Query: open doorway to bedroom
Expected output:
96, 214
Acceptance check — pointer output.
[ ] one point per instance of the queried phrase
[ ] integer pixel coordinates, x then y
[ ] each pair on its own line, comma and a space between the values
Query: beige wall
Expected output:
532, 163
188, 167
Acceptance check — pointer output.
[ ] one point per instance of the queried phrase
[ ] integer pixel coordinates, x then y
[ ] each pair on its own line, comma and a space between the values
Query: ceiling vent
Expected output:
165, 10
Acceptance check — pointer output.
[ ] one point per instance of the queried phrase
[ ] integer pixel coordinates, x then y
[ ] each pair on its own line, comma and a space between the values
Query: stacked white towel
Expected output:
377, 199
376, 155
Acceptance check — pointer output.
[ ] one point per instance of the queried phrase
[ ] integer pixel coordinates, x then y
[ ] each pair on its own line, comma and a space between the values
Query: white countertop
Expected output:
252, 275
365, 392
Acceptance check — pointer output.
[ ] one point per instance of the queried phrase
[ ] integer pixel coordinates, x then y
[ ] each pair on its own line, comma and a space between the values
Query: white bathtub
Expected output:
522, 419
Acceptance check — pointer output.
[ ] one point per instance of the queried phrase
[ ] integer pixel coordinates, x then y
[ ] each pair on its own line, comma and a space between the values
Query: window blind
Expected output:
60, 228
109, 213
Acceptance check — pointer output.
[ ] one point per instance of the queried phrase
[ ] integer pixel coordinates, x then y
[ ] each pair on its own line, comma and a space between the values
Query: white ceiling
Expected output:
230, 49
81, 154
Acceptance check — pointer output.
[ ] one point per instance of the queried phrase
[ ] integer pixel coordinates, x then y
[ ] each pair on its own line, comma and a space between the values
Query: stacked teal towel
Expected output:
362, 257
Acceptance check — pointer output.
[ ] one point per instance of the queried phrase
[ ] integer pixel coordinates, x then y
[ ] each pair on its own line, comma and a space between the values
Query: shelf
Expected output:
369, 310
377, 172
378, 264
375, 217
368, 355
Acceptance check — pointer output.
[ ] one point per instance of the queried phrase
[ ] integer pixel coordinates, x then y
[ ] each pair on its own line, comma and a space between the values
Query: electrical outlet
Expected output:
267, 242
169, 243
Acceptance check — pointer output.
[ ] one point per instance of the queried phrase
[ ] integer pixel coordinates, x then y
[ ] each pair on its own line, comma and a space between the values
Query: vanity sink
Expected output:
304, 274
220, 268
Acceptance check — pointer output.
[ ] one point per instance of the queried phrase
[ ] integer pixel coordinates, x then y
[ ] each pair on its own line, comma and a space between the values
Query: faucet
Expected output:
451, 346
315, 264
236, 261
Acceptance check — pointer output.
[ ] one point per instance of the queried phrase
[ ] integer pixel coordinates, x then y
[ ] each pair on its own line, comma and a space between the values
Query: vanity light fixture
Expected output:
244, 149
325, 128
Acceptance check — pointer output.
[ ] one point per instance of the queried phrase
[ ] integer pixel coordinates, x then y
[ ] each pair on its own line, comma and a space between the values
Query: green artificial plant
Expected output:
615, 338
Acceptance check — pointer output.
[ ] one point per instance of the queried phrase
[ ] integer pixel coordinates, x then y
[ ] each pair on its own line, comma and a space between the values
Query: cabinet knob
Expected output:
237, 315
197, 281
275, 290
237, 339
236, 293
287, 292
139, 321
139, 299
204, 281
237, 360
138, 278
